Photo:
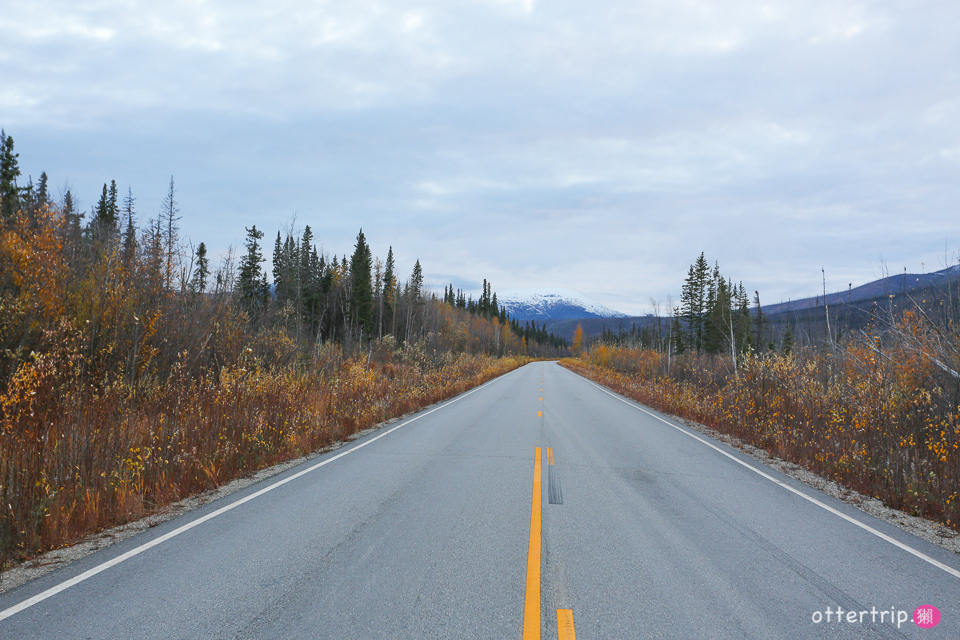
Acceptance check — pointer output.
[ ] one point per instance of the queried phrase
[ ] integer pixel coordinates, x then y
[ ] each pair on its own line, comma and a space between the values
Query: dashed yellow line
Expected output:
531, 607
550, 456
565, 630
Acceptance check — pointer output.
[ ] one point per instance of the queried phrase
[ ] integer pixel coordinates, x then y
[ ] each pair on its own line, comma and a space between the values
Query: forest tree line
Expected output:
135, 372
141, 295
714, 317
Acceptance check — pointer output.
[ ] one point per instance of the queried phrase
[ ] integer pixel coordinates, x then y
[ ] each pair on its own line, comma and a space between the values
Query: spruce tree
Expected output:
786, 344
101, 217
693, 303
153, 255
34, 200
716, 313
129, 241
113, 209
291, 251
742, 319
43, 192
74, 228
28, 198
280, 269
252, 288
678, 342
361, 287
310, 275
415, 286
198, 284
9, 172
389, 293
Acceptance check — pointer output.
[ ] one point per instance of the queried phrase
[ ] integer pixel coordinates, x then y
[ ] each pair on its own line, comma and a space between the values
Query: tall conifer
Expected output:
9, 172
361, 287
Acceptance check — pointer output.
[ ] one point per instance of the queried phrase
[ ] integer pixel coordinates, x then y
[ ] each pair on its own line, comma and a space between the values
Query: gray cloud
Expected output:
597, 148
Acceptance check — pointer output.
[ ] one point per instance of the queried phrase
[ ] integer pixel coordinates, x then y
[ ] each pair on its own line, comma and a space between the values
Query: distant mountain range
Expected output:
885, 287
561, 310
551, 304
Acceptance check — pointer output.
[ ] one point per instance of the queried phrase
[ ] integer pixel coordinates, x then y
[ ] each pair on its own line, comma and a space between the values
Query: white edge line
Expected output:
955, 573
89, 573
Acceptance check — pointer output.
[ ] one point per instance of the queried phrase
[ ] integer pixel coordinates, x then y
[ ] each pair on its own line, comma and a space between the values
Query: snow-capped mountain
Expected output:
551, 304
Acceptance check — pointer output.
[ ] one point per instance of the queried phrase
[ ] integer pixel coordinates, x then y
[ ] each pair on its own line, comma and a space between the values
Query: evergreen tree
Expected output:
34, 200
326, 312
742, 320
278, 267
113, 208
103, 222
27, 197
43, 192
252, 286
153, 255
389, 294
199, 282
101, 212
286, 271
9, 172
74, 227
378, 296
693, 303
678, 343
415, 286
361, 287
717, 316
310, 276
786, 345
129, 241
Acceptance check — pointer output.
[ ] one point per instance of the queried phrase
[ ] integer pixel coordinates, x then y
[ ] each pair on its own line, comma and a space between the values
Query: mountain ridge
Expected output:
541, 304
902, 283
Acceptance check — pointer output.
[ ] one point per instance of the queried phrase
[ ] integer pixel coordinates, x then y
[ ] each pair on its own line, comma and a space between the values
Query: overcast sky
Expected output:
595, 146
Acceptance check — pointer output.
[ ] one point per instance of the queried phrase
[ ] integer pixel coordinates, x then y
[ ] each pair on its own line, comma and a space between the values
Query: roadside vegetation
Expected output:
134, 373
877, 410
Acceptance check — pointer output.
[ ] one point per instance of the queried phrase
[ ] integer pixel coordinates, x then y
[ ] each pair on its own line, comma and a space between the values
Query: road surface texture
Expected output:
536, 506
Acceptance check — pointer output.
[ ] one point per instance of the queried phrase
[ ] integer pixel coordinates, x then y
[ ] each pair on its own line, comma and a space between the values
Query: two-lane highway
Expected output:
537, 504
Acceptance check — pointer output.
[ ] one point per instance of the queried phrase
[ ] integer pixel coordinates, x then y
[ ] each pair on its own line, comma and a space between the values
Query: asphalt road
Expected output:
431, 528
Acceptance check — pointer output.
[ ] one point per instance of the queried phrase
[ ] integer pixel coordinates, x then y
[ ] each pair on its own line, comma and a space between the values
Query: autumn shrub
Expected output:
124, 387
77, 457
878, 414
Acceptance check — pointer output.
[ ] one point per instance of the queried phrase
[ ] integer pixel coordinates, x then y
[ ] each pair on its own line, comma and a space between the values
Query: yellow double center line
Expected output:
531, 607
